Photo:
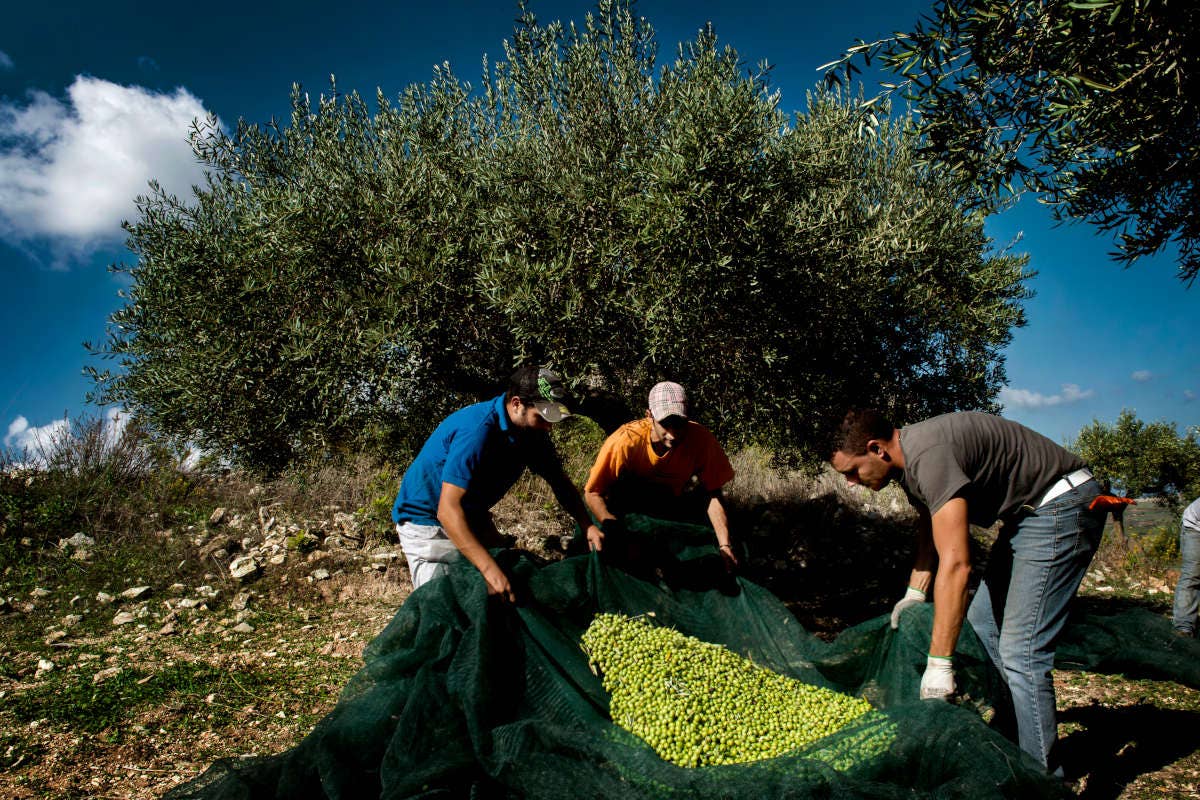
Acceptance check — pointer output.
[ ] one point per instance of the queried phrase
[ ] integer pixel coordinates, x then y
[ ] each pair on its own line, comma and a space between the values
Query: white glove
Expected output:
911, 598
938, 681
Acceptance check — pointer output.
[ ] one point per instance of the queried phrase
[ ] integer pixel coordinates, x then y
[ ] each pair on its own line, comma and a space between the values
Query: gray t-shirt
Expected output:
1191, 515
995, 464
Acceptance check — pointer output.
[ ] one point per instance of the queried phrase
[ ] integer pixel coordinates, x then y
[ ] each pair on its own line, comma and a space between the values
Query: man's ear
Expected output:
877, 447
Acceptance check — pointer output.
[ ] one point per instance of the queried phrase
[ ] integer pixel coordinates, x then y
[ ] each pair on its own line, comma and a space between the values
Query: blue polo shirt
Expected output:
475, 448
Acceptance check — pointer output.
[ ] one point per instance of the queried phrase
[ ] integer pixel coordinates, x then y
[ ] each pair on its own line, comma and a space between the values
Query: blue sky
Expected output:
95, 99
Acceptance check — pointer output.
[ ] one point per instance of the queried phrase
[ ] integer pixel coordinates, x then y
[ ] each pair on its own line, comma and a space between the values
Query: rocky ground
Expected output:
121, 677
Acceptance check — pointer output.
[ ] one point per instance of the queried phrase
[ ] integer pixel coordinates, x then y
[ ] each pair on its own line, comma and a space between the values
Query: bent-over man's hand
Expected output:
938, 681
912, 597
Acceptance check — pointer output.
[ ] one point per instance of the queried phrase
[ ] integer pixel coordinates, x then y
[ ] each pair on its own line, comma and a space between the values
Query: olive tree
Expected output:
1089, 103
1139, 458
358, 272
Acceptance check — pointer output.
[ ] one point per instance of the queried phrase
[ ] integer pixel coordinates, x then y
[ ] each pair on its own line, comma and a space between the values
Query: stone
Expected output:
219, 547
218, 516
104, 598
188, 602
81, 555
277, 559
349, 526
243, 627
78, 541
105, 674
39, 592
243, 567
135, 592
320, 575
240, 602
44, 665
55, 636
71, 620
123, 618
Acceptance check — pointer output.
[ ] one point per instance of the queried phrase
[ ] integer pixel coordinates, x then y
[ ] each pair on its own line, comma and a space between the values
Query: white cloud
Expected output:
1188, 395
25, 440
70, 170
5, 61
1023, 398
1142, 375
33, 446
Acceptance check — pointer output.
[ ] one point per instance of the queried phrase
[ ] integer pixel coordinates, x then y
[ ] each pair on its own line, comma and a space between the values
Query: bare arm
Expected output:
568, 497
454, 521
720, 523
922, 571
598, 506
950, 537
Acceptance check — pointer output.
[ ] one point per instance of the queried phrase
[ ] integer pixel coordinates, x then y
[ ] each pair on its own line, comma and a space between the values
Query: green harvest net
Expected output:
461, 696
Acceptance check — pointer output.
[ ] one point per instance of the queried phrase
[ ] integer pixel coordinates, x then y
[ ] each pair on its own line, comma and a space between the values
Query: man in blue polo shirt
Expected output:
469, 462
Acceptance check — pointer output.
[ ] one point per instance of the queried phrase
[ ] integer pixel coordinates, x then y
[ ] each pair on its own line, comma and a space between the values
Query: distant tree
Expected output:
1140, 458
1092, 103
355, 272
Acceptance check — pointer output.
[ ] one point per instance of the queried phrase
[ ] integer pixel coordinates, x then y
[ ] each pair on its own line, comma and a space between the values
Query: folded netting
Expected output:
464, 696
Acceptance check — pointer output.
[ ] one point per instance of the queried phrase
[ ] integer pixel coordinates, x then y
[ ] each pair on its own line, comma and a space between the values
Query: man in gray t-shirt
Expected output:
973, 468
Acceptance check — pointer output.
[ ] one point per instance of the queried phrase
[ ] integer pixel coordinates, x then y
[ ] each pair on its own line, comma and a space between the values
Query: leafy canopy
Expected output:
1092, 103
1140, 458
355, 274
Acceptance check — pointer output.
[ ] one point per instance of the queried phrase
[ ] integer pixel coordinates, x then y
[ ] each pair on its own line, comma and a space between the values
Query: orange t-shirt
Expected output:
627, 454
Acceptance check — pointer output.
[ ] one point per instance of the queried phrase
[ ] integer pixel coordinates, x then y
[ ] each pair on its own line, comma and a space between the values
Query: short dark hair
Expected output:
859, 426
523, 384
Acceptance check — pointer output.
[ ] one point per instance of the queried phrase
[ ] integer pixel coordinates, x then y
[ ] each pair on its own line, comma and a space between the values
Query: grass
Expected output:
75, 701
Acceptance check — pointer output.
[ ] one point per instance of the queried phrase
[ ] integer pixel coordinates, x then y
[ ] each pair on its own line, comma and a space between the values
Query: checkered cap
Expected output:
666, 400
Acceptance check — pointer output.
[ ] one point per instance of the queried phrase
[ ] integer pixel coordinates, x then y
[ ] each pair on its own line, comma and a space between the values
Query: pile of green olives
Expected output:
698, 704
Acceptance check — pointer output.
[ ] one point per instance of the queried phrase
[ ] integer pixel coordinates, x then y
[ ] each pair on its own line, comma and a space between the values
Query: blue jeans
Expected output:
1187, 591
1021, 607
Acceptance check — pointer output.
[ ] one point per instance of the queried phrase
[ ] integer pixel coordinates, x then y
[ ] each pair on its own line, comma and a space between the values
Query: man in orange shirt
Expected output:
663, 465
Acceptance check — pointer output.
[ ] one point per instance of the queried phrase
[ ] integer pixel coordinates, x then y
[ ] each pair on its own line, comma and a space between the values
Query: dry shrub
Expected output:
758, 482
95, 475
345, 484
